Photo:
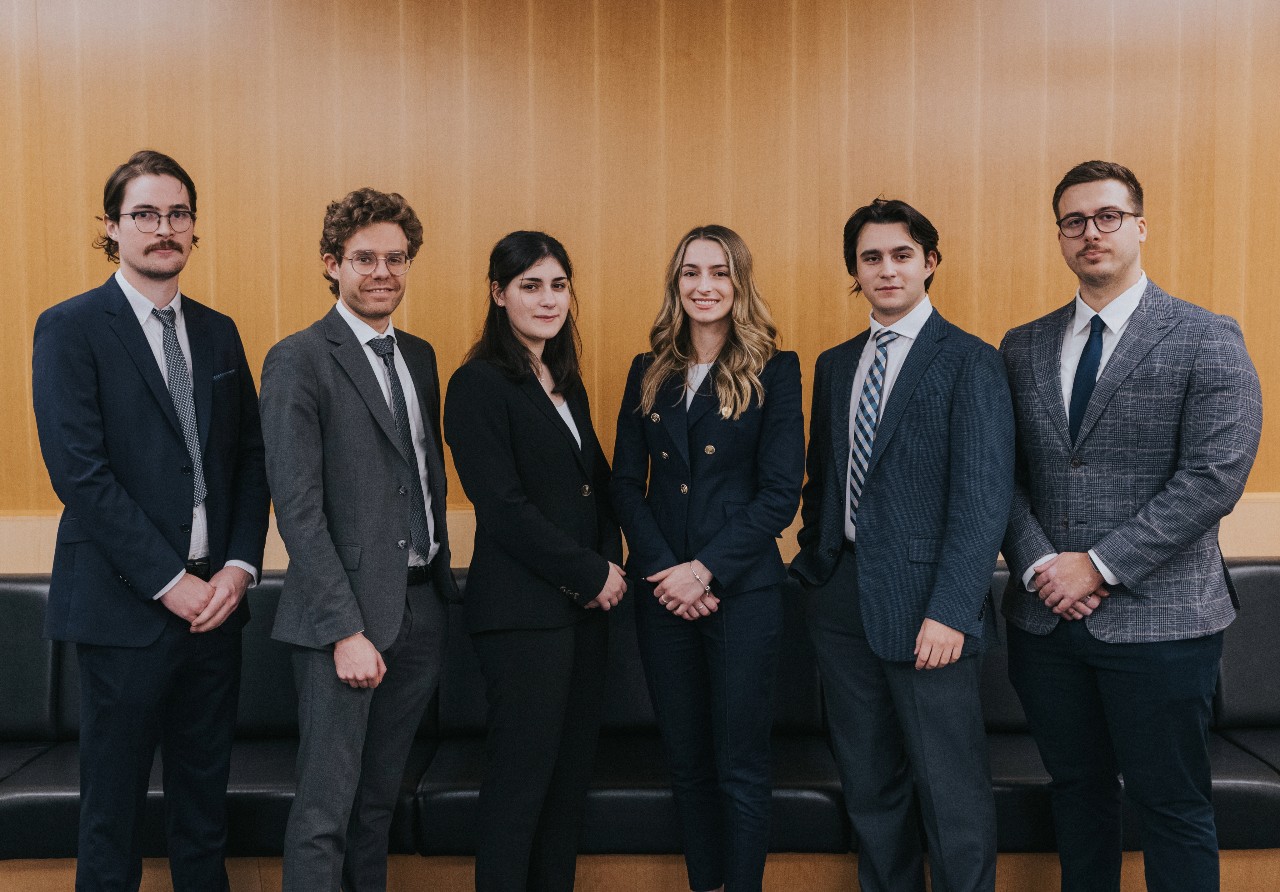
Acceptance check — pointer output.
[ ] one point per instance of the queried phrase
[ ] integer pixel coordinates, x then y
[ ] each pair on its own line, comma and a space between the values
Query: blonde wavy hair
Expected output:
752, 339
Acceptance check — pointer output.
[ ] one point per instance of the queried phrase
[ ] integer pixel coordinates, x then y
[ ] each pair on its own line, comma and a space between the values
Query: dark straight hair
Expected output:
890, 210
1092, 172
510, 258
141, 163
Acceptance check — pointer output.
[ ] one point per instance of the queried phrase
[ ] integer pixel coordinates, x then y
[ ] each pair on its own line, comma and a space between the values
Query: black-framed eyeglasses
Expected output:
363, 263
1074, 225
149, 221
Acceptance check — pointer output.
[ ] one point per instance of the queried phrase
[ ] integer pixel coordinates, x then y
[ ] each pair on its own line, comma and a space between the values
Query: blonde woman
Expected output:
707, 473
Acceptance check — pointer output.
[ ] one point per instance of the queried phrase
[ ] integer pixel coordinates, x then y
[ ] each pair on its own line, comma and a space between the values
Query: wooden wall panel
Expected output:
617, 127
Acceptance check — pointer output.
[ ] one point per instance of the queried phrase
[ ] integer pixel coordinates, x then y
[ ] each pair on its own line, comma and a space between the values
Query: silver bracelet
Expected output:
706, 589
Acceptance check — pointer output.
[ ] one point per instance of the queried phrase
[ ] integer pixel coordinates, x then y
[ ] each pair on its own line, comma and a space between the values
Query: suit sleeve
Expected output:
477, 428
815, 461
779, 474
649, 550
250, 499
1219, 431
292, 431
1025, 541
979, 491
70, 426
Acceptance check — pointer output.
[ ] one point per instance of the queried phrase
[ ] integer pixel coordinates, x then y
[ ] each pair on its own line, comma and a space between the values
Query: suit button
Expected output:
1076, 461
832, 551
664, 455
684, 488
655, 417
186, 469
186, 528
1066, 524
709, 449
404, 490
586, 490
402, 545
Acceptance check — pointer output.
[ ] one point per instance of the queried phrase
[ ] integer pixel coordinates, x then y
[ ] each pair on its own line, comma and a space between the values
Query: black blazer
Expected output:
545, 531
116, 457
720, 491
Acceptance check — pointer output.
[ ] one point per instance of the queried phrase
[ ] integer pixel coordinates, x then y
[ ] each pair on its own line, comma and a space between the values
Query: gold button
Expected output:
709, 449
586, 490
655, 417
684, 487
664, 455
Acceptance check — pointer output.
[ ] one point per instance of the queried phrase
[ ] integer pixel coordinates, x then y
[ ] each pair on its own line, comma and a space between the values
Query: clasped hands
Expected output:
678, 589
1070, 585
206, 605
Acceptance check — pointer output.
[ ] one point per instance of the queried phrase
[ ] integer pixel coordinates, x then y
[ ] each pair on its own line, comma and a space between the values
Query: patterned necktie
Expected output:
1086, 376
868, 416
418, 529
179, 380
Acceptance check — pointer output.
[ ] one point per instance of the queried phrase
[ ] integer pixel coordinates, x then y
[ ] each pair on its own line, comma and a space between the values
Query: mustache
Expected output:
161, 246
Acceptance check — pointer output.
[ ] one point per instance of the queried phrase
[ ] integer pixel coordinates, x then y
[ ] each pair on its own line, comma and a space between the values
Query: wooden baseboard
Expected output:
26, 541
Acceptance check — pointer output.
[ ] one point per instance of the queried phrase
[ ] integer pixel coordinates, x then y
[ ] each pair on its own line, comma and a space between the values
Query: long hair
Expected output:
752, 339
511, 257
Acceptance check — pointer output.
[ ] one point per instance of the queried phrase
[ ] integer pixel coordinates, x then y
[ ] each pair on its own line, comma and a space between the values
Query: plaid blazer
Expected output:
1163, 453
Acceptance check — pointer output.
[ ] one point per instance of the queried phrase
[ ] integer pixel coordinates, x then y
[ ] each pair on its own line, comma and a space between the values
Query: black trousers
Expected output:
179, 693
546, 695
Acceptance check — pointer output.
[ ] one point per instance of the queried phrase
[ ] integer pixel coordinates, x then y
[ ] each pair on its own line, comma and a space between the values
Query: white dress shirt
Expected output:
693, 379
908, 329
1115, 319
153, 328
364, 334
563, 409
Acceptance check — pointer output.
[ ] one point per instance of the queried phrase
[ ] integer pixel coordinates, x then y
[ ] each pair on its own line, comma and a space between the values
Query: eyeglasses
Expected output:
1074, 225
364, 263
149, 221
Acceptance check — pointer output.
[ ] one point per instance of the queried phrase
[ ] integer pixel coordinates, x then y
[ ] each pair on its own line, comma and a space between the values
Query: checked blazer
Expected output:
1165, 447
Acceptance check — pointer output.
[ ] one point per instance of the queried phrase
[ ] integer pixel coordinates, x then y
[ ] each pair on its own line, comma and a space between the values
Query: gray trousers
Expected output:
911, 749
352, 751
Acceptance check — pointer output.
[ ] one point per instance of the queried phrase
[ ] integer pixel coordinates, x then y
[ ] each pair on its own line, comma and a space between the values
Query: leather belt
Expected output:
419, 574
199, 568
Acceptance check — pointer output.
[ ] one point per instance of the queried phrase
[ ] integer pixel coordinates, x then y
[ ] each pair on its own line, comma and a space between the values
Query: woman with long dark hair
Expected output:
708, 465
545, 566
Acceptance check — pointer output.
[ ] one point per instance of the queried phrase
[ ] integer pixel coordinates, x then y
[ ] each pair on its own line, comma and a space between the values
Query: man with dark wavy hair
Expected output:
351, 418
148, 423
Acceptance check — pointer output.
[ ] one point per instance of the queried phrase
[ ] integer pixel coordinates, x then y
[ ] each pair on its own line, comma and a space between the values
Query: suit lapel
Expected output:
125, 324
926, 346
1148, 325
704, 398
201, 365
841, 395
582, 418
671, 408
531, 387
349, 354
1046, 366
425, 390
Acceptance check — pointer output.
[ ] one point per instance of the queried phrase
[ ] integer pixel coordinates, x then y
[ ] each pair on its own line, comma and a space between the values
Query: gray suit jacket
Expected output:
1164, 450
339, 480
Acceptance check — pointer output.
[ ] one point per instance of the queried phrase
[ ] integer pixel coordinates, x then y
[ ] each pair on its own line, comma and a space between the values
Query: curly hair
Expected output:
752, 340
361, 208
141, 163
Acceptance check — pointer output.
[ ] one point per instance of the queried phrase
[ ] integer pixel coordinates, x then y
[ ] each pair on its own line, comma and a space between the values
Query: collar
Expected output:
363, 331
142, 306
909, 325
1116, 313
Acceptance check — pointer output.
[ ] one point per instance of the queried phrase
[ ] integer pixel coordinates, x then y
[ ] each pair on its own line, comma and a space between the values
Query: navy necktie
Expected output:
418, 529
1086, 376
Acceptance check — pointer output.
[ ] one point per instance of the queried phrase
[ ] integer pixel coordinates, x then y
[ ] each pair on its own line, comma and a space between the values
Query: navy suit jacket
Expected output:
718, 490
937, 493
545, 531
1164, 450
116, 457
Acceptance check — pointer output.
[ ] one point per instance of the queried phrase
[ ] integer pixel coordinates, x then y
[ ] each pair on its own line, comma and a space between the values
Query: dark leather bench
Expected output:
630, 810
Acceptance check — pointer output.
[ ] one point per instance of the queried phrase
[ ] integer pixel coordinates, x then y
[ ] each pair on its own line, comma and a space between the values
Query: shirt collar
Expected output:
362, 330
1116, 313
909, 325
142, 306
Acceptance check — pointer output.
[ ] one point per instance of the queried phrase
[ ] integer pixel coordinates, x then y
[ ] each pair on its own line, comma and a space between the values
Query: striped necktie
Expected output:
865, 421
179, 381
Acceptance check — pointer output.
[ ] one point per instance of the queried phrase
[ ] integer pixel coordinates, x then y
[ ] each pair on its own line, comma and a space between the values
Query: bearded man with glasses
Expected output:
1138, 419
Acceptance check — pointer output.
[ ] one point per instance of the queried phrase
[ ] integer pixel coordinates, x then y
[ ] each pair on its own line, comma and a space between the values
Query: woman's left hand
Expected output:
678, 589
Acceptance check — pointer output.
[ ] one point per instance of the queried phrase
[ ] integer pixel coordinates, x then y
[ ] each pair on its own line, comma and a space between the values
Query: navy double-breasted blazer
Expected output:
688, 483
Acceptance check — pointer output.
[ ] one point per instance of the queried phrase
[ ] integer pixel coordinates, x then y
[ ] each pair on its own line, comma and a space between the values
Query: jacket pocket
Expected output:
349, 555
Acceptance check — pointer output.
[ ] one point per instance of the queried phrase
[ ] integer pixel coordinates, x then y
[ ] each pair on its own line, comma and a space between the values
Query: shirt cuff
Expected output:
248, 568
172, 582
1031, 571
1111, 578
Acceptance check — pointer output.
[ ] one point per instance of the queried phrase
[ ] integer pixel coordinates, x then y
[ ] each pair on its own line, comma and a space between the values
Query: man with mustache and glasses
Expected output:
1138, 420
148, 423
351, 418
